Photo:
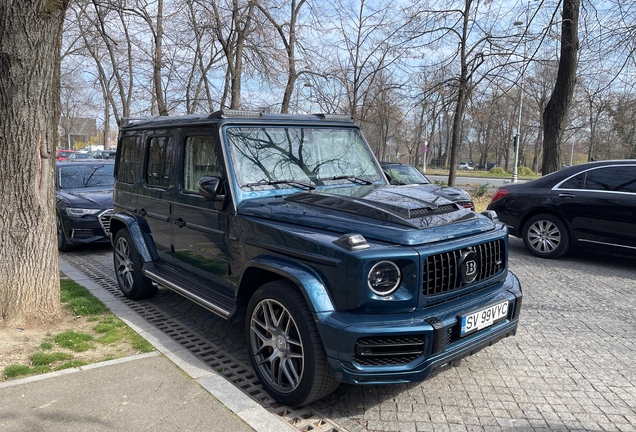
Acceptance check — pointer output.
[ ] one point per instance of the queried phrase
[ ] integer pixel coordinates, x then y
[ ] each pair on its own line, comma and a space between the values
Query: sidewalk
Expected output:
166, 390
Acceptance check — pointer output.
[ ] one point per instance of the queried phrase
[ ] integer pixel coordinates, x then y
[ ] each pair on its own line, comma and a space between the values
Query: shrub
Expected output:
480, 190
497, 171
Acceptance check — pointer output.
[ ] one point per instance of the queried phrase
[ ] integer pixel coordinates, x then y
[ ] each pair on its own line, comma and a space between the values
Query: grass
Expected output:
57, 352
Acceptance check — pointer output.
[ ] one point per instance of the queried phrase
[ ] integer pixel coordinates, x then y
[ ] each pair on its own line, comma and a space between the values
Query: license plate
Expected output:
483, 318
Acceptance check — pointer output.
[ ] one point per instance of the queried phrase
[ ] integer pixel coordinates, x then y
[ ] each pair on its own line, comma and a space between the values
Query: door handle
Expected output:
143, 212
180, 223
567, 195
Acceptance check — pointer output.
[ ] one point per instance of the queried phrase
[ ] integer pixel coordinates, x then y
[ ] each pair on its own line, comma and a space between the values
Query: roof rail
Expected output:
129, 121
335, 117
227, 113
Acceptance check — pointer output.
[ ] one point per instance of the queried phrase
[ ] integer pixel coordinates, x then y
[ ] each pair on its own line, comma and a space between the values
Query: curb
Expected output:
225, 392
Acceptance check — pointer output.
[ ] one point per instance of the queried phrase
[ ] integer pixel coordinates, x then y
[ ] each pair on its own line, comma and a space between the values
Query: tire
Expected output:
285, 347
128, 268
63, 245
546, 236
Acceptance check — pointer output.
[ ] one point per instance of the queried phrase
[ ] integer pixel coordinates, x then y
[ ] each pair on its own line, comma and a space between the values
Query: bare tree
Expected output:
555, 114
29, 111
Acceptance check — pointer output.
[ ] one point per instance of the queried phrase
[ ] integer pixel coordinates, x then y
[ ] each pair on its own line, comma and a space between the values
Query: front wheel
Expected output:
63, 245
546, 236
128, 268
285, 347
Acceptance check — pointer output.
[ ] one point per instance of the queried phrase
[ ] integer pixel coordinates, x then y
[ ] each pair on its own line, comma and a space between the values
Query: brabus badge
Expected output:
469, 266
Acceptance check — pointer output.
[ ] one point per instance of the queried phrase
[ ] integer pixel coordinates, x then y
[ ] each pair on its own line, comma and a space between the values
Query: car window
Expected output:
200, 159
159, 161
129, 162
614, 178
406, 174
85, 176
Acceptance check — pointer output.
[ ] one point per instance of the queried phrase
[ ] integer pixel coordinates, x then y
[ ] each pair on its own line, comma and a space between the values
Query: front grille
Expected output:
104, 220
442, 271
388, 350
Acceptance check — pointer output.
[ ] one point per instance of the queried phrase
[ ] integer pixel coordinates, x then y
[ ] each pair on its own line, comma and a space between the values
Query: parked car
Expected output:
103, 154
84, 196
404, 174
466, 166
590, 205
64, 154
488, 166
79, 155
288, 223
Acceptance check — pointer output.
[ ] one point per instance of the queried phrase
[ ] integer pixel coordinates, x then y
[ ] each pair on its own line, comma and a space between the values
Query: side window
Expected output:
159, 161
200, 159
616, 178
576, 182
129, 161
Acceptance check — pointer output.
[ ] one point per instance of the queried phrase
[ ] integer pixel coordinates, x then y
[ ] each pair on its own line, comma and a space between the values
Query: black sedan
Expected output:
405, 174
590, 205
84, 195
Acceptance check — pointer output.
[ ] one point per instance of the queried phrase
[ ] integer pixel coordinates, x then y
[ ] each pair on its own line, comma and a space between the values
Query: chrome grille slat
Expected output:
104, 220
442, 273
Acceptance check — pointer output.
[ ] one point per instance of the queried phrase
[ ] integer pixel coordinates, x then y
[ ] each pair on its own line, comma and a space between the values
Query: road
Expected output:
570, 366
464, 180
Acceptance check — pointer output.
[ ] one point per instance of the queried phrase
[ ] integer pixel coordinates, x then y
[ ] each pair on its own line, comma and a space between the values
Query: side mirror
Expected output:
209, 186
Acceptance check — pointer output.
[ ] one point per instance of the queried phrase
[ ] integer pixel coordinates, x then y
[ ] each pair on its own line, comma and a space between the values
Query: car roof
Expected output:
234, 116
553, 178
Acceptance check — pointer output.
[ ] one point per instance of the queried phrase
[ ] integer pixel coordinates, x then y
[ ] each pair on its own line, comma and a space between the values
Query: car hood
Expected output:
90, 198
448, 192
394, 214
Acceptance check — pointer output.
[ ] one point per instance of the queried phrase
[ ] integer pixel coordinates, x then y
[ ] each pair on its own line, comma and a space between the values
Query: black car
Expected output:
589, 205
404, 174
84, 196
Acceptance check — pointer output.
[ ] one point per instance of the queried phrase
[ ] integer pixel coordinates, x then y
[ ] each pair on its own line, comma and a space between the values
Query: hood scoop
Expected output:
373, 209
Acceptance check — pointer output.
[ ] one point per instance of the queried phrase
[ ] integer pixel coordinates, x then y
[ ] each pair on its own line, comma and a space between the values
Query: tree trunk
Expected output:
555, 114
30, 37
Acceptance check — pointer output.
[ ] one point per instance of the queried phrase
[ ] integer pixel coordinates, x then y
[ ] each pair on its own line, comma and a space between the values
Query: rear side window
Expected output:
200, 159
612, 179
159, 161
129, 161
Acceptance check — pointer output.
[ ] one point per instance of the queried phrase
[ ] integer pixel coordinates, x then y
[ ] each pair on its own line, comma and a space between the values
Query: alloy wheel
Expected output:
544, 236
124, 267
277, 346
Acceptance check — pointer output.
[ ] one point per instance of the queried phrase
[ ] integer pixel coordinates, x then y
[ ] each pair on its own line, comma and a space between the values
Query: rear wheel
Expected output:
546, 236
128, 268
285, 347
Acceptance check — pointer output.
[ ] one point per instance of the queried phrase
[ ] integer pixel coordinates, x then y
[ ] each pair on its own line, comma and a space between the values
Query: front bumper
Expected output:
435, 334
88, 229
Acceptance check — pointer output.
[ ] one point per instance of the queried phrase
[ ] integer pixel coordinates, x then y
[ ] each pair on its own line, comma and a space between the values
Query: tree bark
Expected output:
30, 35
555, 114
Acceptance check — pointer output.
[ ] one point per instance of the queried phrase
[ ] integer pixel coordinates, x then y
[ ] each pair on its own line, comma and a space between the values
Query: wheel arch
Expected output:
139, 233
264, 269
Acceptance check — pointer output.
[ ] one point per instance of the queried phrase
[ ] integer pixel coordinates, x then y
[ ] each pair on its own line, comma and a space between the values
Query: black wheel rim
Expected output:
544, 236
124, 267
277, 346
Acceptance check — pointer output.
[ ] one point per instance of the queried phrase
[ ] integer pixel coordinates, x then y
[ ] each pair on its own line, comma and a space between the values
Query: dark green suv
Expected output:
288, 223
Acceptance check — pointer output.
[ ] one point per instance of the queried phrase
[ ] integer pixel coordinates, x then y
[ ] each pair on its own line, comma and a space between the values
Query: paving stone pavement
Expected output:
570, 367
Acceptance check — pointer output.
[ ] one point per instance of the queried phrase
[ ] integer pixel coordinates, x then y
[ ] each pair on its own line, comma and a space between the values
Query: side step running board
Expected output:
178, 289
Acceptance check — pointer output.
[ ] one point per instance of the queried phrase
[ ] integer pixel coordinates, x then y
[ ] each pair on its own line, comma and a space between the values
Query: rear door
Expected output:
157, 191
600, 204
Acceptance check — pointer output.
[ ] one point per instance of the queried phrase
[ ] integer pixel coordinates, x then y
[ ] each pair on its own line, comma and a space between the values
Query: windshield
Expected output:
296, 157
85, 176
405, 174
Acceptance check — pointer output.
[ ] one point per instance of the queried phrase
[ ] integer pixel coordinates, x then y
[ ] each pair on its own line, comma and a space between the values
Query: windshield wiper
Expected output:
352, 179
287, 182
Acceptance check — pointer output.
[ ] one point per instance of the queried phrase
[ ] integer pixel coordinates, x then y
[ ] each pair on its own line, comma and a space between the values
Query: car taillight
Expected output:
499, 194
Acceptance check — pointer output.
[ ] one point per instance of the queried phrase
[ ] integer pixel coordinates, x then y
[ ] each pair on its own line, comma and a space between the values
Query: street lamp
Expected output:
517, 138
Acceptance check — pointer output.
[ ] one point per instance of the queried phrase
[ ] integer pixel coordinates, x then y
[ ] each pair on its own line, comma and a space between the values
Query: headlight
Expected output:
79, 212
384, 278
